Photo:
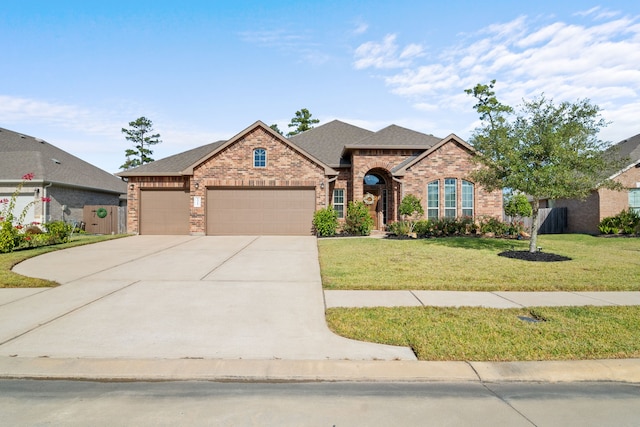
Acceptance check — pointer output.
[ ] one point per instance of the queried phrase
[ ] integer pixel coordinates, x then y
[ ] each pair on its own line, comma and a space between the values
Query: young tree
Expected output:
545, 151
302, 122
411, 209
140, 134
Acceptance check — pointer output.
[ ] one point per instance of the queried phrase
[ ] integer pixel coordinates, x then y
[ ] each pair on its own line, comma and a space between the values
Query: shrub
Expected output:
423, 228
59, 231
325, 222
358, 222
626, 222
9, 236
518, 206
399, 228
489, 224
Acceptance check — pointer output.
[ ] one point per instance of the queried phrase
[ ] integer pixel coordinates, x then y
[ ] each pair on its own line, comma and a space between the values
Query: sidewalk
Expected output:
496, 299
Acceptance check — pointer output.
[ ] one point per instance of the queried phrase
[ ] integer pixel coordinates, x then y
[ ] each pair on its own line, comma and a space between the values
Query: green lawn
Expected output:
465, 263
482, 334
9, 279
567, 333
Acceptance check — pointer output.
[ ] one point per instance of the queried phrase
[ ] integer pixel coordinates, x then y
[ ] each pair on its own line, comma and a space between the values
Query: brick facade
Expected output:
583, 216
137, 184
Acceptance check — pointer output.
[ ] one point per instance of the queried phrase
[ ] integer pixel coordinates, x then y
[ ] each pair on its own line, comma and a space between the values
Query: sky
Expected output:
74, 73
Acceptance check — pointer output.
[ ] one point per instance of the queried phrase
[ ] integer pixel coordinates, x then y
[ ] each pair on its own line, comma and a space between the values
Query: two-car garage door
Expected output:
260, 211
231, 211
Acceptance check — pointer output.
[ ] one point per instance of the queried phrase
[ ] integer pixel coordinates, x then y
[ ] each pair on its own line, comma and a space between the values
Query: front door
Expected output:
372, 200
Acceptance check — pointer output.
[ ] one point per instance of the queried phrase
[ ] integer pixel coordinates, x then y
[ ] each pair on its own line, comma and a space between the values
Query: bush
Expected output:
423, 228
325, 222
9, 236
493, 225
399, 228
358, 222
626, 222
59, 231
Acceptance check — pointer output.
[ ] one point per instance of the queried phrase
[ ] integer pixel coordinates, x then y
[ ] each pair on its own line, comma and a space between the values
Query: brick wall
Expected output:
450, 161
74, 199
134, 187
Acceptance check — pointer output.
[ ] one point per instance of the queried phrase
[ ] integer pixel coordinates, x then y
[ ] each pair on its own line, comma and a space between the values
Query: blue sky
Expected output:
75, 72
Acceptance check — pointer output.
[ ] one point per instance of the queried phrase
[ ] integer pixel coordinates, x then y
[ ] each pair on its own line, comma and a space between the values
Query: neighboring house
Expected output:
259, 182
69, 182
583, 216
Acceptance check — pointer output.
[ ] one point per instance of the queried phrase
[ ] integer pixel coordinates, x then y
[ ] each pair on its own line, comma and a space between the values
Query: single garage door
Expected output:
164, 212
260, 211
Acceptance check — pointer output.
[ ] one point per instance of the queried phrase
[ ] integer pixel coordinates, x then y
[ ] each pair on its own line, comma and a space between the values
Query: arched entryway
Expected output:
377, 188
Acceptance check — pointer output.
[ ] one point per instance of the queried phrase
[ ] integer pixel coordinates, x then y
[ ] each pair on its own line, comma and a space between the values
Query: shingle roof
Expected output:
630, 148
173, 165
396, 136
326, 142
21, 154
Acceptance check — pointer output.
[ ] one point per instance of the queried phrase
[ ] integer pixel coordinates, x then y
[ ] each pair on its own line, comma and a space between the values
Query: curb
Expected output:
239, 370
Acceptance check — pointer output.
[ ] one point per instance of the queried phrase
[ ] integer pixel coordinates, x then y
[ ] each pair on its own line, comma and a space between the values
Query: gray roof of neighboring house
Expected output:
173, 165
630, 148
327, 141
22, 154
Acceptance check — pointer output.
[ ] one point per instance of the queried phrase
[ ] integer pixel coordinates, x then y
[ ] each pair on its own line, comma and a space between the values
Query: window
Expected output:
467, 198
259, 158
634, 199
338, 201
433, 200
450, 185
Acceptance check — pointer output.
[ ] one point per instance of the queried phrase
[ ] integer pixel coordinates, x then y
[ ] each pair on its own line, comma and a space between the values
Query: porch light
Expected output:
197, 185
322, 185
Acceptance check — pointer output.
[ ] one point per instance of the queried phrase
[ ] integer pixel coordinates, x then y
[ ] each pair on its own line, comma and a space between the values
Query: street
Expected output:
30, 402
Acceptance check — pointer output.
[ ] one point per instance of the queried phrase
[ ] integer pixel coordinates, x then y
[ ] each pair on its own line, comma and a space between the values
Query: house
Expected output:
69, 183
259, 182
583, 216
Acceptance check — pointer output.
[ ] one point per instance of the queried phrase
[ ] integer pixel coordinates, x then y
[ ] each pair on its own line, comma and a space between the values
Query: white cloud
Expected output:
386, 54
595, 57
361, 28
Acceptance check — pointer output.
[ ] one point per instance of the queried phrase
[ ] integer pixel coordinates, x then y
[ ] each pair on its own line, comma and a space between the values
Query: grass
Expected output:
9, 279
479, 334
472, 264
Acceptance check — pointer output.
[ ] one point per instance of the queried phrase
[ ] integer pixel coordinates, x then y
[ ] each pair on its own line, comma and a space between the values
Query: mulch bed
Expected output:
534, 256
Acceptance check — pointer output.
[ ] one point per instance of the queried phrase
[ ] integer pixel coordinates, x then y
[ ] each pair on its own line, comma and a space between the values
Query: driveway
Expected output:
179, 297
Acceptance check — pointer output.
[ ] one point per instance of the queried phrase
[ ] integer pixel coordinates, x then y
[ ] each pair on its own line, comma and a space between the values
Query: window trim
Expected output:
255, 158
436, 208
340, 204
634, 193
469, 186
448, 208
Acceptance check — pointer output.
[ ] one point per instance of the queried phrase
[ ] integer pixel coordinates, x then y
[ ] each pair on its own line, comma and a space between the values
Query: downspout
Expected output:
44, 204
326, 194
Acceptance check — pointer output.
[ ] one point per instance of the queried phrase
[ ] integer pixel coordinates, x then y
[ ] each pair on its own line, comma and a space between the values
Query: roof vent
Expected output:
56, 161
40, 140
22, 136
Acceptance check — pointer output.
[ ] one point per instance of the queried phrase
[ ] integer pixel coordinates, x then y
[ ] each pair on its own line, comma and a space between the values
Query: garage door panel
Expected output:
164, 212
251, 211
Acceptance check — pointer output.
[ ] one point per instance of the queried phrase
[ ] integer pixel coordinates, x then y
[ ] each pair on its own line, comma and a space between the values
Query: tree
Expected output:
411, 209
545, 151
140, 134
302, 122
517, 205
276, 128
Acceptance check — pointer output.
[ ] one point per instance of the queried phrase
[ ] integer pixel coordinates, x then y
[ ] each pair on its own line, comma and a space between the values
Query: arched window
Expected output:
259, 158
373, 179
467, 198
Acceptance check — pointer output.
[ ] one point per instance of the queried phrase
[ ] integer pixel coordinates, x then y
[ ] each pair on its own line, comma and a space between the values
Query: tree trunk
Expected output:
533, 242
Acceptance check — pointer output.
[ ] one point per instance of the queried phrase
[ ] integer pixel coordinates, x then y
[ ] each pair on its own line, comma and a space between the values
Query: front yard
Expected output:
473, 264
561, 333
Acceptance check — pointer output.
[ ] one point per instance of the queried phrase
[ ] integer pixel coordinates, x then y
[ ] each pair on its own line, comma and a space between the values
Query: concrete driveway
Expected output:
179, 297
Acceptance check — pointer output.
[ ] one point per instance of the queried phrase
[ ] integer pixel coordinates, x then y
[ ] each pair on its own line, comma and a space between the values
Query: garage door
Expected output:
260, 211
164, 212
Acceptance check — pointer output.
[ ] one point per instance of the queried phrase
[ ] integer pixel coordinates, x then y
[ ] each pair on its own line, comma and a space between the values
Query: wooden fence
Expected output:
550, 221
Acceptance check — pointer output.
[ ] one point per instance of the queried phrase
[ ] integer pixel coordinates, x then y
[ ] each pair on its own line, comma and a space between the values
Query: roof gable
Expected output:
184, 163
21, 154
627, 149
402, 168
